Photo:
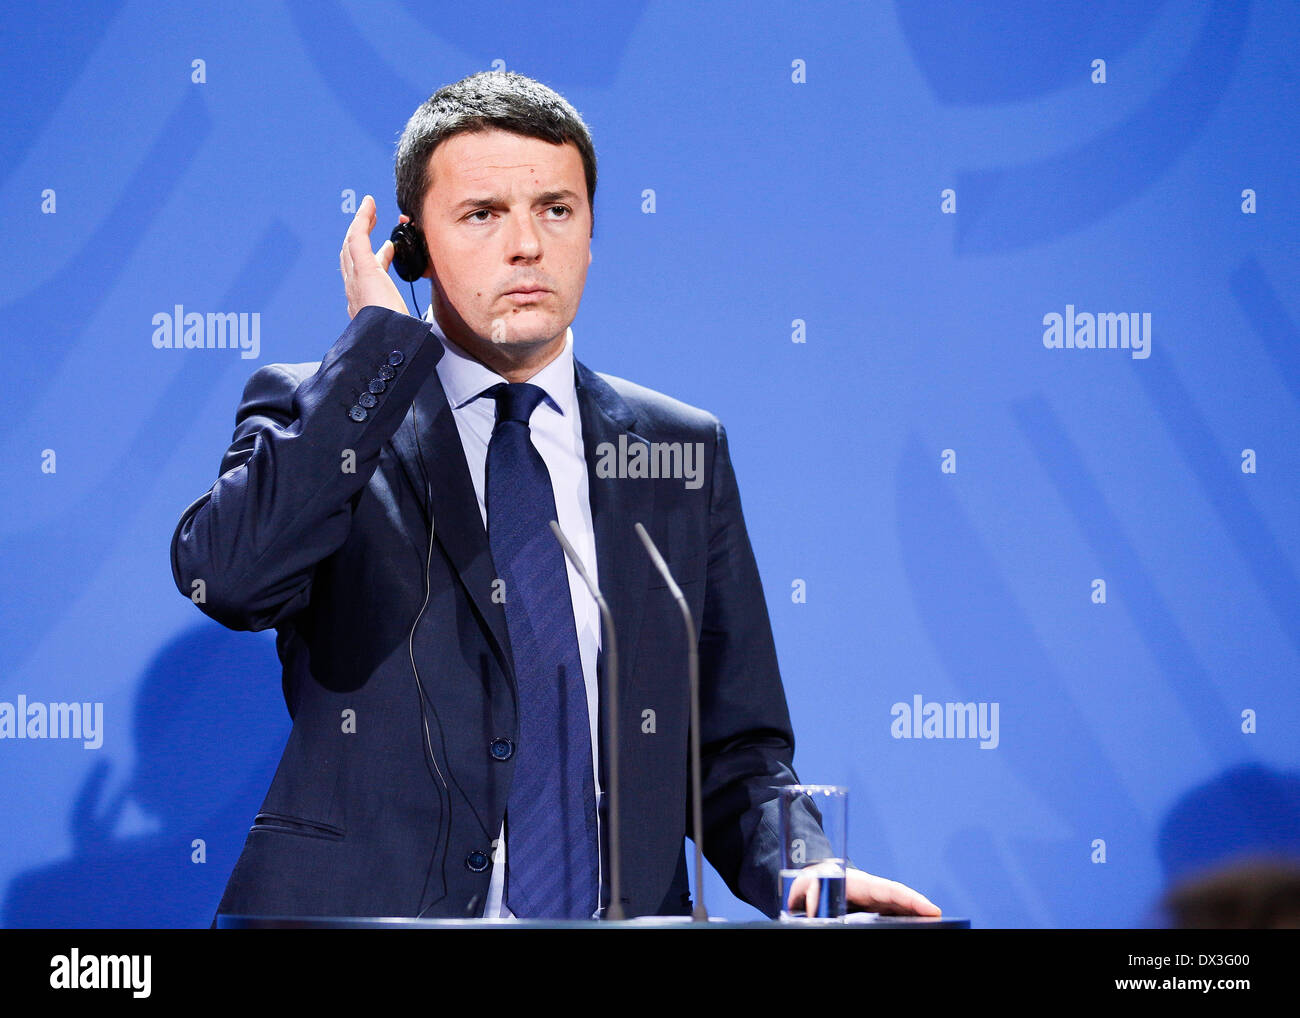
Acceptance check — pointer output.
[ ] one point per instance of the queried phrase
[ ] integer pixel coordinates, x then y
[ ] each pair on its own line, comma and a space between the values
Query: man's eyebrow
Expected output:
545, 198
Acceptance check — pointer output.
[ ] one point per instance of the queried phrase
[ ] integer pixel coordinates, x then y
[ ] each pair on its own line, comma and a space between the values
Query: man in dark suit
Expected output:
385, 510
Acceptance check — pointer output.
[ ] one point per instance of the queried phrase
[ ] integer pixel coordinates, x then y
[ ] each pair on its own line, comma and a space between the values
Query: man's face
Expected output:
505, 212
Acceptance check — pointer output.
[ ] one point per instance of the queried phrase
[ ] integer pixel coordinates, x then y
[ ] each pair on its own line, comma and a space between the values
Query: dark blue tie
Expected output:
552, 863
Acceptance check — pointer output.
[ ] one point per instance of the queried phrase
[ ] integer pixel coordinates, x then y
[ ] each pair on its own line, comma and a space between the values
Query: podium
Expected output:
855, 921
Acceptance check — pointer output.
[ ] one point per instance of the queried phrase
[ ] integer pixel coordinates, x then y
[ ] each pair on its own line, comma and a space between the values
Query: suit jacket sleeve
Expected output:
284, 499
746, 741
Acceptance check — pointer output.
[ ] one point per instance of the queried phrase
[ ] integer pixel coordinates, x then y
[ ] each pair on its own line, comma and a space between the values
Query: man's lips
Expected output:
527, 294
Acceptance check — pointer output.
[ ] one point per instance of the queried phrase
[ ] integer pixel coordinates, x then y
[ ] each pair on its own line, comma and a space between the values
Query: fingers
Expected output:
920, 904
902, 900
360, 222
805, 893
798, 892
888, 897
365, 272
797, 889
363, 222
866, 893
357, 241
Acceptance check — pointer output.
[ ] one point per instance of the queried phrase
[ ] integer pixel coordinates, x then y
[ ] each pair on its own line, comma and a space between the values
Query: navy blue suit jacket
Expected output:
387, 799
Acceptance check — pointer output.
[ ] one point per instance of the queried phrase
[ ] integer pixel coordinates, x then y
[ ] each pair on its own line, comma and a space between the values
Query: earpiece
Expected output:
410, 256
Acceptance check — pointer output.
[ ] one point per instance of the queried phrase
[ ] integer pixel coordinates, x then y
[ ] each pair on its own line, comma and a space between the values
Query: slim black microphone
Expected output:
699, 913
615, 910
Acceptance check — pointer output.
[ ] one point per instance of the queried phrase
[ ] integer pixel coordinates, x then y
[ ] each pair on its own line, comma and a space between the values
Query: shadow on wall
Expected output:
209, 726
1231, 853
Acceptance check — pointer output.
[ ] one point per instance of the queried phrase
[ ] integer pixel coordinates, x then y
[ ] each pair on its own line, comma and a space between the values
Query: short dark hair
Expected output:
502, 100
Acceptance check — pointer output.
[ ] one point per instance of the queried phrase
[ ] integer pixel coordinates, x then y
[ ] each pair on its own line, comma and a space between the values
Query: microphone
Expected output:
615, 910
700, 913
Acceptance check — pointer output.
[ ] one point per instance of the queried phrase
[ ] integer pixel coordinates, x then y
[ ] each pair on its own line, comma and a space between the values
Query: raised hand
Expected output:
365, 272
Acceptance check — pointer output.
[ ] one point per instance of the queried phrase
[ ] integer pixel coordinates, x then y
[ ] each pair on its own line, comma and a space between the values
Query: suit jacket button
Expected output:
395, 358
367, 400
476, 861
378, 385
386, 373
358, 413
502, 749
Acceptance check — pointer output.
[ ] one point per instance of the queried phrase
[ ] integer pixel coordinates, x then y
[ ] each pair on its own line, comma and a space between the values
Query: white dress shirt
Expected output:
556, 428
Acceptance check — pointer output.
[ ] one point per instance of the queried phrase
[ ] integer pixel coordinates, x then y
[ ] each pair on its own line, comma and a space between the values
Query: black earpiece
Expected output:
410, 256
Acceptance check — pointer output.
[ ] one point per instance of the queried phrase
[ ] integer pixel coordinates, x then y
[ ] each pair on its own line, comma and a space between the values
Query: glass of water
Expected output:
814, 830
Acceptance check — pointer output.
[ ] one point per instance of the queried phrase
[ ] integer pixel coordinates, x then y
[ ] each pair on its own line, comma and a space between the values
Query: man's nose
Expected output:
524, 238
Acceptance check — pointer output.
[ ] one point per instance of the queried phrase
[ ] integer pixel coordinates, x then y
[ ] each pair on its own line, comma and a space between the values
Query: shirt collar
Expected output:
464, 378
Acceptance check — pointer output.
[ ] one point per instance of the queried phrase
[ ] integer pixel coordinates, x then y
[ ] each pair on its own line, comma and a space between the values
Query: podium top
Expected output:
854, 921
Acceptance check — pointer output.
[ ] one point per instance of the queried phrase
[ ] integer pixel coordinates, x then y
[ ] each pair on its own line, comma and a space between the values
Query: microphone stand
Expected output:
615, 910
699, 913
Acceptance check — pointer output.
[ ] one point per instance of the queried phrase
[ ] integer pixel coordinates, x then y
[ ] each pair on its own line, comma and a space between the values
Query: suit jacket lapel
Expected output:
617, 504
458, 526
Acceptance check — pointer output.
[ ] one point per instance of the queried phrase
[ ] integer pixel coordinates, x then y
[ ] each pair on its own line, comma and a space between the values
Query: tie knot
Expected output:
516, 401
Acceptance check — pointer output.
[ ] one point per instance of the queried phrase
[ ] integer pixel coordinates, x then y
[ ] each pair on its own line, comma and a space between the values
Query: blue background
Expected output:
776, 201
